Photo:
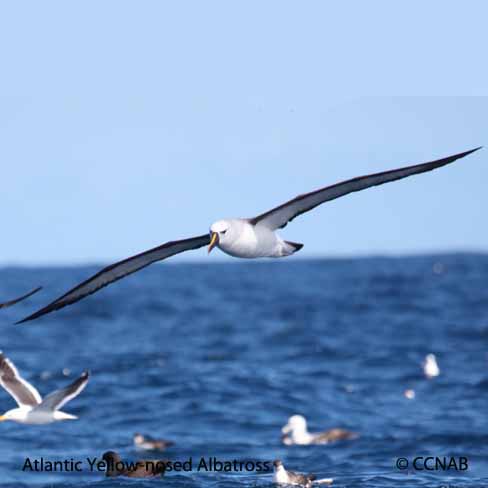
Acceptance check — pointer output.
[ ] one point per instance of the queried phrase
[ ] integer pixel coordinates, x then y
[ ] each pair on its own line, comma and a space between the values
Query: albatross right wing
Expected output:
120, 270
278, 217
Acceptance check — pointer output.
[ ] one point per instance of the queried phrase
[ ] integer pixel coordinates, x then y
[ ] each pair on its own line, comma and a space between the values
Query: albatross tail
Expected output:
292, 247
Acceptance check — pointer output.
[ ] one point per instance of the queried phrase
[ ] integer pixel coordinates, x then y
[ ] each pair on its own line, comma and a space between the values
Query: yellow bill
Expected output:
213, 241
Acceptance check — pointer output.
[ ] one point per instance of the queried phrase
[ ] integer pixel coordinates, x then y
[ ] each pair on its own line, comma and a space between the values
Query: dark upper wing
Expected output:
119, 270
19, 299
22, 391
58, 398
278, 217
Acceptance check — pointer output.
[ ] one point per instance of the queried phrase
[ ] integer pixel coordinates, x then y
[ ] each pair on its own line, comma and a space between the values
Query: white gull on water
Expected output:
284, 477
32, 408
431, 368
245, 237
296, 432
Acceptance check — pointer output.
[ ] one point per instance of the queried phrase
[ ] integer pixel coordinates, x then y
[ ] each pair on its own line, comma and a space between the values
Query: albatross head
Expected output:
218, 232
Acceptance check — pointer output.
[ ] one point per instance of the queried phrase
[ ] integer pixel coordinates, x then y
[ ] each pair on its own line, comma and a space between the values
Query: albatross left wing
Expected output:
119, 270
19, 299
278, 217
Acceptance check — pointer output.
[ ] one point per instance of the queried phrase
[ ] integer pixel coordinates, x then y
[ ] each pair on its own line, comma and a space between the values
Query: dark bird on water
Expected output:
144, 468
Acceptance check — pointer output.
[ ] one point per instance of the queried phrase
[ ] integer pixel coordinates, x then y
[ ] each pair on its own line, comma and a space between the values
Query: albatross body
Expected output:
242, 239
254, 237
32, 409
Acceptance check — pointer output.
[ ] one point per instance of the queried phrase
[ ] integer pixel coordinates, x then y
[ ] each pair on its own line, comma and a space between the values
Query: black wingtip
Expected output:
473, 150
26, 319
29, 318
37, 314
464, 154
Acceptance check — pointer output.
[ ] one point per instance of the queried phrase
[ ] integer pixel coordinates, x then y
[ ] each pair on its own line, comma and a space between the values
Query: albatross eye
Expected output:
223, 231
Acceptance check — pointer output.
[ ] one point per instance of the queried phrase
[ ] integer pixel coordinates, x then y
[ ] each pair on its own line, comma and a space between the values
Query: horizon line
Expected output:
229, 260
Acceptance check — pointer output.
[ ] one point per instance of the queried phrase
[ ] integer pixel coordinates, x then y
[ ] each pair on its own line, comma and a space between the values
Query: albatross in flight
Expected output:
244, 238
32, 408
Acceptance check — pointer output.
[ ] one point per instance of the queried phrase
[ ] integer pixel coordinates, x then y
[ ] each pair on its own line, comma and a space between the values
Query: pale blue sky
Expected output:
127, 124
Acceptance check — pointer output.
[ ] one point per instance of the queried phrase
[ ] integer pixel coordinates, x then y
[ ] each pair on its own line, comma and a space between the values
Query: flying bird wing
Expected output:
58, 398
19, 299
278, 217
119, 270
22, 391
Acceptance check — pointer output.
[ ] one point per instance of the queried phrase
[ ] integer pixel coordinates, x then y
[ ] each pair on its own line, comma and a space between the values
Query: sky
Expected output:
127, 124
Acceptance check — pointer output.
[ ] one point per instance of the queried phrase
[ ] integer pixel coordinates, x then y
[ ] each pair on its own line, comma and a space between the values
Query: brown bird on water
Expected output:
144, 468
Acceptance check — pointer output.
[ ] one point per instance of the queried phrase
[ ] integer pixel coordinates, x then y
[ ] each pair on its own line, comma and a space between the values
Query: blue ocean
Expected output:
217, 356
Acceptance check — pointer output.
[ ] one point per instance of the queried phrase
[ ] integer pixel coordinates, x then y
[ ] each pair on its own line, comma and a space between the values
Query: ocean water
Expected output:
216, 357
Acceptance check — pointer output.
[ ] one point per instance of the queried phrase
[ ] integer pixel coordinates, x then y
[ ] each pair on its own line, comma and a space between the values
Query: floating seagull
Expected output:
284, 477
19, 299
150, 468
149, 444
299, 434
431, 368
32, 408
243, 238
